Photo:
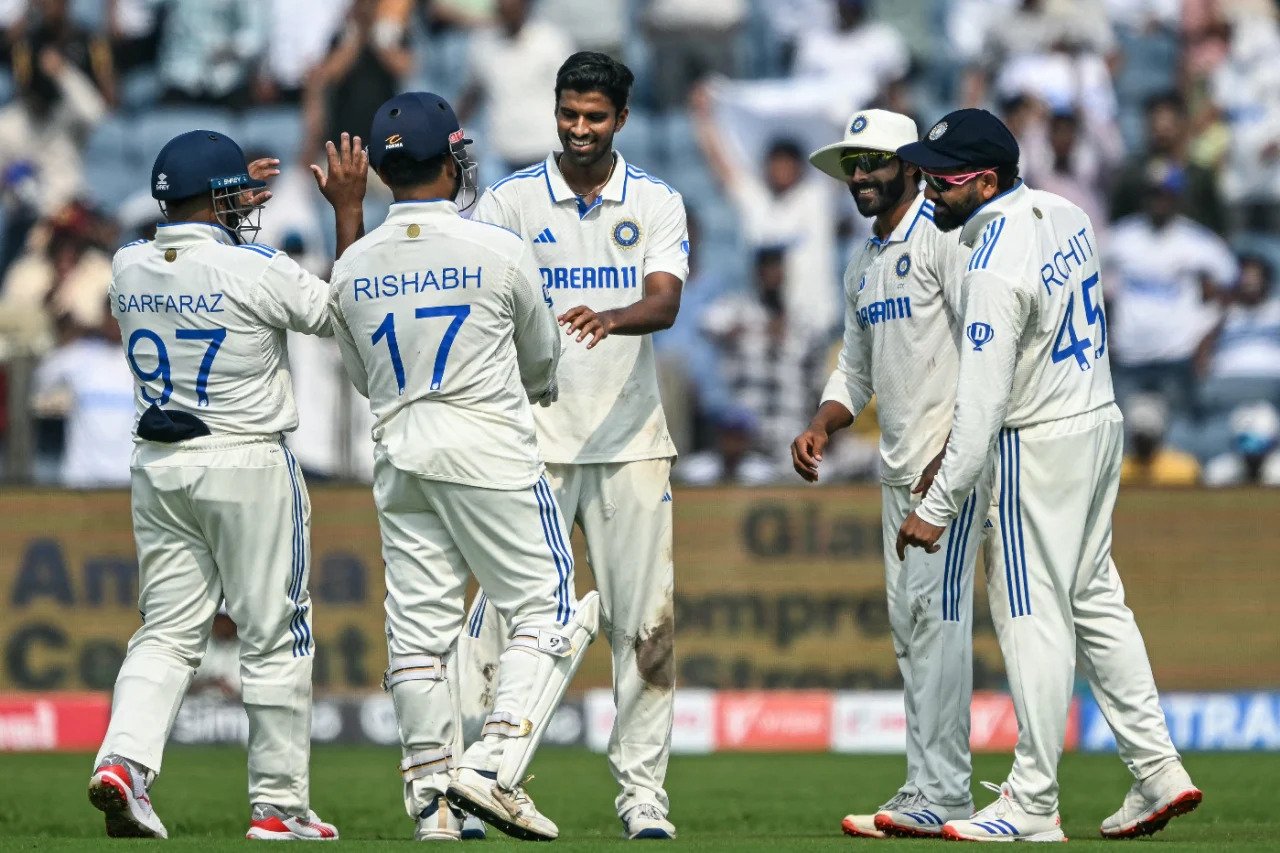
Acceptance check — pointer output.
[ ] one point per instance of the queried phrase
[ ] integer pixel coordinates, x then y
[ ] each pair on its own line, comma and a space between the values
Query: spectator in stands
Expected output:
1167, 139
58, 284
210, 50
133, 26
51, 27
366, 64
42, 133
1246, 350
1254, 458
512, 68
782, 205
88, 383
688, 41
301, 34
595, 25
772, 366
1071, 169
1245, 88
1148, 460
1166, 274
857, 58
733, 458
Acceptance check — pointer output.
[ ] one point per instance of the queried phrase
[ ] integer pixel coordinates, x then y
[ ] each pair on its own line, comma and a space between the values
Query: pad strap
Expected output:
419, 765
504, 724
542, 640
414, 668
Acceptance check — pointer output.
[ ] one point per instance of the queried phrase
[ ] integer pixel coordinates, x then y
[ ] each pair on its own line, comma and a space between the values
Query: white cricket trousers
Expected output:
435, 536
1055, 591
221, 517
624, 510
931, 620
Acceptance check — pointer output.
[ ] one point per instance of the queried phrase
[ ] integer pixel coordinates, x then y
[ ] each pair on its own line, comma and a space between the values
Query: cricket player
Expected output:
611, 245
901, 343
444, 326
1035, 385
220, 509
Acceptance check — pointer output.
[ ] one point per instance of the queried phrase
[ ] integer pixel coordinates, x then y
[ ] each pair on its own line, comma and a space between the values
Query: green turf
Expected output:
722, 803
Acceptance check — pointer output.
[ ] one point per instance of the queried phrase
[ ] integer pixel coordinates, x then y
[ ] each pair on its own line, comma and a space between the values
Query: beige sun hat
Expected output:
868, 130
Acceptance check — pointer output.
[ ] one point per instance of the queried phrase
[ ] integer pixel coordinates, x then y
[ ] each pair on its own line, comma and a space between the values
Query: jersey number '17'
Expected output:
387, 330
1067, 344
162, 370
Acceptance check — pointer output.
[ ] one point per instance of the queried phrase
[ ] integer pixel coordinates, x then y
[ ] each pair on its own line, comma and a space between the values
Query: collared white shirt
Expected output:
901, 338
598, 256
444, 325
1153, 284
1035, 348
203, 320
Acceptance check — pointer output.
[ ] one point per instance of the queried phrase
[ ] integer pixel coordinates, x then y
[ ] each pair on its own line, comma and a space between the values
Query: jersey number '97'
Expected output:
387, 329
215, 337
1074, 346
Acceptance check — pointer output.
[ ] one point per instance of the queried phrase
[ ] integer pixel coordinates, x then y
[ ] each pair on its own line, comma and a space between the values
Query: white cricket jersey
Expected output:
901, 338
1035, 346
203, 320
598, 256
444, 325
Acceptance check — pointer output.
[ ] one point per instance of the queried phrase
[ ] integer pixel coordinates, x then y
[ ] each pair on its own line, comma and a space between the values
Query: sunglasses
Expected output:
867, 161
940, 183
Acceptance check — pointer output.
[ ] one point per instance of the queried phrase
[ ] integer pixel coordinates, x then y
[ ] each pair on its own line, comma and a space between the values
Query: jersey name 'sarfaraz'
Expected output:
184, 303
378, 286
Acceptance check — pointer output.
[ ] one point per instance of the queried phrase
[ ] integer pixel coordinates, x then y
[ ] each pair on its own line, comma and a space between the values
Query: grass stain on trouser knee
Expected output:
655, 654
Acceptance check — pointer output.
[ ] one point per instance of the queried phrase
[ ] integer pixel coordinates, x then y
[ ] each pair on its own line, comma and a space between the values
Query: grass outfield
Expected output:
722, 803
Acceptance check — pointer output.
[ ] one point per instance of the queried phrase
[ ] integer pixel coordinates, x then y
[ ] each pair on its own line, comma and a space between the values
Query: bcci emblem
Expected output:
903, 266
937, 131
859, 125
980, 334
626, 233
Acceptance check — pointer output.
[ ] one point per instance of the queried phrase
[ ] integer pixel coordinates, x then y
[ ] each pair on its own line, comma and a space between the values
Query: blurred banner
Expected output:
856, 722
776, 588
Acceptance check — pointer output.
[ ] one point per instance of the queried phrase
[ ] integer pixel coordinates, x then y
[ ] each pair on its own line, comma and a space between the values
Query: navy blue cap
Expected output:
421, 124
964, 138
196, 162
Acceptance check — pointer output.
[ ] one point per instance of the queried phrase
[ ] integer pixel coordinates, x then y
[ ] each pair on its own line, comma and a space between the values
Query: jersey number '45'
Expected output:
387, 329
1074, 346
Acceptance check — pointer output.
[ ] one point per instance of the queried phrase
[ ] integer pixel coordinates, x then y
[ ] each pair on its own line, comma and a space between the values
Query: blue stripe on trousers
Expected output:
557, 532
298, 623
1022, 542
477, 618
546, 510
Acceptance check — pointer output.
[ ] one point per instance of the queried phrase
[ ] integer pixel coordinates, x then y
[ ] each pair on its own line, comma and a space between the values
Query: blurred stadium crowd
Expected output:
1161, 118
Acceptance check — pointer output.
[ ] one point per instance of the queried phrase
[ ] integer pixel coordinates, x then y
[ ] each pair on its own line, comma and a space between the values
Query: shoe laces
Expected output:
1004, 805
519, 797
648, 812
902, 800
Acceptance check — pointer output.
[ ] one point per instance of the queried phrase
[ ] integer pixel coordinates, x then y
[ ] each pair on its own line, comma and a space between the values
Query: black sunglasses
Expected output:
867, 161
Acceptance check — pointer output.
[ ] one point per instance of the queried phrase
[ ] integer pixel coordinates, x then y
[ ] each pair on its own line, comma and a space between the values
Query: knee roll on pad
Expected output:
414, 668
558, 653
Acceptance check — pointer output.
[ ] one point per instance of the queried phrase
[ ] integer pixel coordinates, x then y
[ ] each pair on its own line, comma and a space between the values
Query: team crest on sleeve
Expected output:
626, 233
935, 133
979, 335
862, 283
859, 124
903, 266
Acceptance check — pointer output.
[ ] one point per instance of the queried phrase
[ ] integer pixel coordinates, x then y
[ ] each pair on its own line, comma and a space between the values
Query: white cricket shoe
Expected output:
472, 828
439, 822
1004, 820
864, 825
1153, 802
272, 824
118, 790
918, 819
647, 822
512, 811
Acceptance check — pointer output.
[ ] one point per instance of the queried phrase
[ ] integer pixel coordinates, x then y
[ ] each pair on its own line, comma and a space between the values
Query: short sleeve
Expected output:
667, 249
289, 297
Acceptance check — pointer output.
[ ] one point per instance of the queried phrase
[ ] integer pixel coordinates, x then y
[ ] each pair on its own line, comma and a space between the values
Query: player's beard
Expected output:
949, 217
885, 196
602, 147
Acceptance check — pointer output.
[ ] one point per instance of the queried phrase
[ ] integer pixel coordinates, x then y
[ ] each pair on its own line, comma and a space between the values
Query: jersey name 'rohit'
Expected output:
402, 284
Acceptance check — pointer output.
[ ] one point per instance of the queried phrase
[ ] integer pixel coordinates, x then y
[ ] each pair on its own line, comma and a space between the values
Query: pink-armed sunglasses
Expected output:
940, 183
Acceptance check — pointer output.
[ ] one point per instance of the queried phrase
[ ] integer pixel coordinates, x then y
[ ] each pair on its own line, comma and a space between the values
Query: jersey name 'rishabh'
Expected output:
375, 285
598, 255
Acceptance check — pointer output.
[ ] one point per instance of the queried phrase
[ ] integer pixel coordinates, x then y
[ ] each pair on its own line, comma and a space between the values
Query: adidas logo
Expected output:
987, 524
545, 237
666, 498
